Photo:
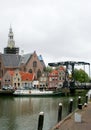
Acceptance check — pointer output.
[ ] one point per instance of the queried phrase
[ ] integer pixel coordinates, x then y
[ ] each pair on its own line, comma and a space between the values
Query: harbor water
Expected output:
21, 113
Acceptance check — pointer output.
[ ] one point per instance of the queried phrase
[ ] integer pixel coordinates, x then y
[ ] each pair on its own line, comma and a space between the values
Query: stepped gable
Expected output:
11, 72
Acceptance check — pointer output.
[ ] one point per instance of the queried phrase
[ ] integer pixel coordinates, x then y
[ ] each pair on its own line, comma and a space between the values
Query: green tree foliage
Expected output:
48, 69
81, 76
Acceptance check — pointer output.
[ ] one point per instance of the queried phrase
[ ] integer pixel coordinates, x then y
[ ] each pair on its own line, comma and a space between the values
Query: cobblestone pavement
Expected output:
70, 122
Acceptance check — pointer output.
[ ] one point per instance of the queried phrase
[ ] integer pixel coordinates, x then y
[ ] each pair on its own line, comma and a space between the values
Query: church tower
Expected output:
11, 49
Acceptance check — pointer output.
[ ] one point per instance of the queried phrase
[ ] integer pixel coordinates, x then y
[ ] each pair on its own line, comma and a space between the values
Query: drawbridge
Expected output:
72, 64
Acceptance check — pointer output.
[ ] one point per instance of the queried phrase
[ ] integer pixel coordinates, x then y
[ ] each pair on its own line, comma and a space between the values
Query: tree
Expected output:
81, 76
48, 69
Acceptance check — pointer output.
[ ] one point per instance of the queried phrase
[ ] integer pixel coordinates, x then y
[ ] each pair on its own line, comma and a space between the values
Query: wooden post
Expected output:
41, 120
79, 106
60, 112
86, 98
79, 101
70, 106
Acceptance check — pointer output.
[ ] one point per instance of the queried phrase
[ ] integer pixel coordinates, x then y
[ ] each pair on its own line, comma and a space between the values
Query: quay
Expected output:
6, 92
69, 123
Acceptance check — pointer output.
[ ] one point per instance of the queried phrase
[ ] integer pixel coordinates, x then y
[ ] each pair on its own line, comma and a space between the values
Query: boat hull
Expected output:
37, 94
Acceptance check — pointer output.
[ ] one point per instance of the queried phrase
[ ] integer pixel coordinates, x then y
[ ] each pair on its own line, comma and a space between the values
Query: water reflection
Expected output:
22, 113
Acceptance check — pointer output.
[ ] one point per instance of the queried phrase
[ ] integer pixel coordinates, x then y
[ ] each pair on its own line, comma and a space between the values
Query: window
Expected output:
30, 71
38, 73
34, 64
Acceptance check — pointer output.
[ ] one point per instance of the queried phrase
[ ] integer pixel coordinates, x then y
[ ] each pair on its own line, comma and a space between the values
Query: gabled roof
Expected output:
62, 68
15, 60
11, 72
53, 73
26, 76
11, 60
24, 59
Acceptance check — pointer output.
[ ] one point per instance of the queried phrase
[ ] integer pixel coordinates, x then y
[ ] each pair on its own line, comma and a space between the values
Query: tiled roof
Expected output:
53, 73
26, 76
11, 72
15, 60
25, 58
62, 68
11, 60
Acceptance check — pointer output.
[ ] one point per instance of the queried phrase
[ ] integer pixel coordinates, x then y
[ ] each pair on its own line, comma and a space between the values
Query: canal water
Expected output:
21, 113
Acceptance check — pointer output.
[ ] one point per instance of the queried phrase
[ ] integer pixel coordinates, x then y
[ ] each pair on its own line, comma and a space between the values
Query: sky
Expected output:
59, 30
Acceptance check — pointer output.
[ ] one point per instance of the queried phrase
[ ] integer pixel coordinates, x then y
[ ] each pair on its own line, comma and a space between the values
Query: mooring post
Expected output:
86, 98
60, 112
79, 100
79, 103
70, 106
40, 120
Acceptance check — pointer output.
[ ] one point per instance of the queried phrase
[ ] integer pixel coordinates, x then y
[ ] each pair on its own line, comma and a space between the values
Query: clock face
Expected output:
11, 43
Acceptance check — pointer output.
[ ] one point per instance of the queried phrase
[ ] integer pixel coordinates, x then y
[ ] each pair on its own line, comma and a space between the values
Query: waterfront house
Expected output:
61, 75
56, 77
22, 79
18, 79
43, 80
53, 79
7, 79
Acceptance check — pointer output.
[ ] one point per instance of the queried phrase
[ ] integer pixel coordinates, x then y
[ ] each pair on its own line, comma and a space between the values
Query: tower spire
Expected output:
11, 42
11, 49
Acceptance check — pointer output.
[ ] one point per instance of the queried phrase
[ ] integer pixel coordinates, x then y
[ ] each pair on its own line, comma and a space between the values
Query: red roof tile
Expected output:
26, 76
53, 73
11, 72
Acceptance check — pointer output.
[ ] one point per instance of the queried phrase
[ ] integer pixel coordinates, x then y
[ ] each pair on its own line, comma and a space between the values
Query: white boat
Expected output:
36, 92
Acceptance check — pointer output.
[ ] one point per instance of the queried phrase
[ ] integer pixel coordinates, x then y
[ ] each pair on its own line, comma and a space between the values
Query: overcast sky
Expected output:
60, 30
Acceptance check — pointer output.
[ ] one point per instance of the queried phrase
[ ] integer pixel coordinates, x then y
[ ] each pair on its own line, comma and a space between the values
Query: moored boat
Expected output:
36, 92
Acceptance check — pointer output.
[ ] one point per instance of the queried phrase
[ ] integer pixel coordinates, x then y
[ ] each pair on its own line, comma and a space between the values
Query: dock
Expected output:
6, 92
71, 123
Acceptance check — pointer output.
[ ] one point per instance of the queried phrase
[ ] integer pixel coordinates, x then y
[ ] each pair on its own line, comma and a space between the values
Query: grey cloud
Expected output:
58, 29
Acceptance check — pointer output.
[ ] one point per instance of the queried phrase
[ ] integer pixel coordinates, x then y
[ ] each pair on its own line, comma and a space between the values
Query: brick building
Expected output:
11, 60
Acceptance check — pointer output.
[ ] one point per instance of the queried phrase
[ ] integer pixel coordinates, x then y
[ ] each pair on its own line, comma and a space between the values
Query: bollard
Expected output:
79, 101
90, 97
60, 112
79, 106
41, 120
85, 104
86, 98
70, 106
